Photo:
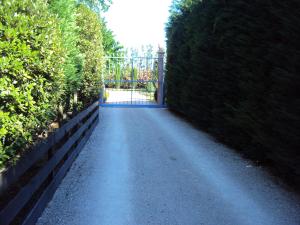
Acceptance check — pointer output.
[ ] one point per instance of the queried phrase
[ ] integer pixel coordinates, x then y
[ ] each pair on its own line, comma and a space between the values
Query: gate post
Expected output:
160, 90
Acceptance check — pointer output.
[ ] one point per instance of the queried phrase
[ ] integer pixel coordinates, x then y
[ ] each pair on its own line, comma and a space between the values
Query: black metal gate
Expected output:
134, 81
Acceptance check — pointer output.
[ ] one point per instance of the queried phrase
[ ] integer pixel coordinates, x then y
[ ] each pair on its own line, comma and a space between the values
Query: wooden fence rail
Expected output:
26, 187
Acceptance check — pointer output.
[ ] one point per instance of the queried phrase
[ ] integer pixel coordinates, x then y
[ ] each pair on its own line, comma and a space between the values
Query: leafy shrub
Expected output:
51, 53
66, 12
233, 68
31, 80
90, 46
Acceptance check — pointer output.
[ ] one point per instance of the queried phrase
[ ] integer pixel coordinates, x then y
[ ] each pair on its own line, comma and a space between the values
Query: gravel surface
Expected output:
148, 167
125, 96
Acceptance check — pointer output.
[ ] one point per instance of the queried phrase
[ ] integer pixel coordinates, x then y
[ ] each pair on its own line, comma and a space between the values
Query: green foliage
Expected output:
97, 5
118, 75
232, 68
111, 47
90, 46
51, 52
66, 11
30, 77
135, 77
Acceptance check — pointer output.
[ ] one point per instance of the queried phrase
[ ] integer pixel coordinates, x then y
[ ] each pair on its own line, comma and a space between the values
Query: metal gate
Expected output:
133, 81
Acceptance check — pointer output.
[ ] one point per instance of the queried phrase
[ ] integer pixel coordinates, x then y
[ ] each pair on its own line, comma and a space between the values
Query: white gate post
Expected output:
160, 90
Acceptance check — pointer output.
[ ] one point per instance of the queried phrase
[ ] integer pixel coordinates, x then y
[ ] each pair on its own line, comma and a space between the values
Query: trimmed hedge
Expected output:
233, 68
31, 80
90, 45
50, 64
67, 14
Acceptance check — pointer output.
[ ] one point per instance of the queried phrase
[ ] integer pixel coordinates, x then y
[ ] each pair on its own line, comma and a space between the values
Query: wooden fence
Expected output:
27, 187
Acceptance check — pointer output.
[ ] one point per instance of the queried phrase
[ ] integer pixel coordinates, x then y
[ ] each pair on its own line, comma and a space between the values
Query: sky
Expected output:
139, 22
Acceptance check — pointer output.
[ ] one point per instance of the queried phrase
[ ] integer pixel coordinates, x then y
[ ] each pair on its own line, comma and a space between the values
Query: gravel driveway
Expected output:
148, 167
125, 96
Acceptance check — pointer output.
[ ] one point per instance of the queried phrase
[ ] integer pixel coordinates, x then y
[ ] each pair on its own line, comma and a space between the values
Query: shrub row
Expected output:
50, 60
233, 68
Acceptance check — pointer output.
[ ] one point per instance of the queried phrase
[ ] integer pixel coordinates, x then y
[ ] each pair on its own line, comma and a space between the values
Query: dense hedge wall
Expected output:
233, 68
50, 61
73, 65
90, 45
31, 80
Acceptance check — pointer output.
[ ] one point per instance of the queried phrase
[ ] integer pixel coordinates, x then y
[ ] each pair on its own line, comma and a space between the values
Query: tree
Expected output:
98, 5
111, 46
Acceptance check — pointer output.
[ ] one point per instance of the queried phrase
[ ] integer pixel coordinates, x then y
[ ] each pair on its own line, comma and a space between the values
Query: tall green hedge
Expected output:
50, 63
90, 45
66, 12
233, 68
31, 80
